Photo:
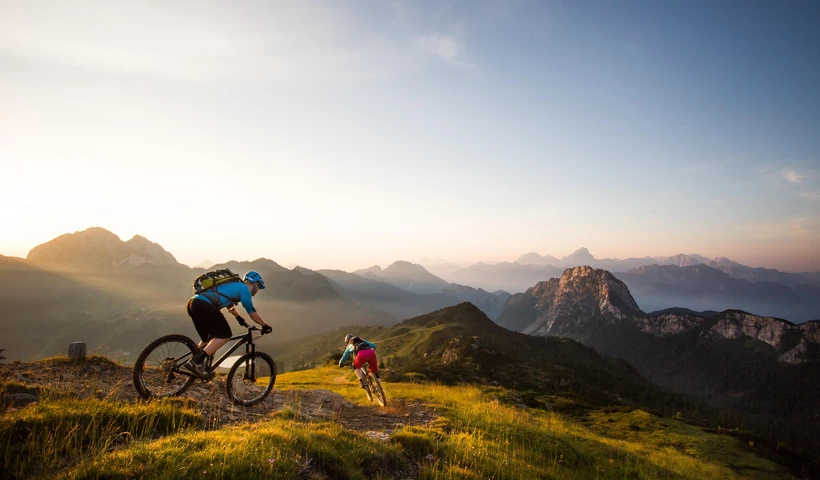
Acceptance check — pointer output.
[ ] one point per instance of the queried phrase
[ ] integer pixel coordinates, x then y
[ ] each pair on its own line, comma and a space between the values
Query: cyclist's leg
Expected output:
211, 326
369, 356
357, 367
199, 325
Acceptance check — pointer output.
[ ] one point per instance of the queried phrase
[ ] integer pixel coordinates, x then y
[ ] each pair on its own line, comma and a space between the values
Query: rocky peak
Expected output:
599, 286
568, 305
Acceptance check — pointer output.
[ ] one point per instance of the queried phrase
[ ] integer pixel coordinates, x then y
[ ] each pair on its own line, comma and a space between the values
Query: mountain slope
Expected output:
461, 344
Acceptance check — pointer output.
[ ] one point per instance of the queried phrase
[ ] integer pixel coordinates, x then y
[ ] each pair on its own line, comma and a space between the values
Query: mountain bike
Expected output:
158, 372
373, 386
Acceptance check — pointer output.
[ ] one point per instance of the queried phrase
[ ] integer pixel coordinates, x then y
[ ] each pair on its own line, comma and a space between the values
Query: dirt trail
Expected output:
103, 379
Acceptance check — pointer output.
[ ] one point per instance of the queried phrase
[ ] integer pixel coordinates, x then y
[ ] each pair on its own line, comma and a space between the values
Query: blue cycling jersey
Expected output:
228, 295
351, 348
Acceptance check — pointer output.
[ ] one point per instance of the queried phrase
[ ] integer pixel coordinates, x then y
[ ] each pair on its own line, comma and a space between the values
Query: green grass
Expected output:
56, 431
277, 448
478, 434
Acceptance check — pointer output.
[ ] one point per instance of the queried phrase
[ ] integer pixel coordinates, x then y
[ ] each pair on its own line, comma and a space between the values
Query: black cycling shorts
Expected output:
208, 320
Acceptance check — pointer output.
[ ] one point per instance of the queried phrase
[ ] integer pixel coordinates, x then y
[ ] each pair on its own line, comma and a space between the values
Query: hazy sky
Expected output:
345, 134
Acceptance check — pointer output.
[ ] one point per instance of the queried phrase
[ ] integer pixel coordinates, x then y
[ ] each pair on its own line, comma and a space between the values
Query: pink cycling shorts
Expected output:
368, 356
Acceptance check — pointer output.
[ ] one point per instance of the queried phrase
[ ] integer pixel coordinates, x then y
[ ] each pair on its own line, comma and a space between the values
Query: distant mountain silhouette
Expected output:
206, 264
385, 296
787, 295
582, 256
415, 278
98, 249
510, 277
701, 287
407, 276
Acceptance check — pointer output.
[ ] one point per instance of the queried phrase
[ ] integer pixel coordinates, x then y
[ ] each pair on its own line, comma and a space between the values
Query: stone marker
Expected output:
76, 351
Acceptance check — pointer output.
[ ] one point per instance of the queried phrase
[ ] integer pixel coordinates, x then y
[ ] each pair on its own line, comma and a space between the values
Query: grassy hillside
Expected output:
460, 344
472, 432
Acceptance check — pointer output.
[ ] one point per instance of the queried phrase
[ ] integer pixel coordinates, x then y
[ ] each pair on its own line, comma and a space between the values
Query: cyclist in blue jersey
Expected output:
363, 351
211, 325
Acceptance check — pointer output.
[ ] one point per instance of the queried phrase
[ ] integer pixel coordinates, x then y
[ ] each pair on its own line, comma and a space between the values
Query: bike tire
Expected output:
368, 389
376, 386
243, 384
156, 371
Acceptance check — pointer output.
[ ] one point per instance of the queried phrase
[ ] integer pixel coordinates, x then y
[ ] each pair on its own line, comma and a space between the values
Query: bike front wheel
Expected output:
251, 379
157, 371
375, 386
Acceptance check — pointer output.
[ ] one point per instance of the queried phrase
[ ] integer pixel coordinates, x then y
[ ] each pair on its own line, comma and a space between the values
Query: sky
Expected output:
346, 134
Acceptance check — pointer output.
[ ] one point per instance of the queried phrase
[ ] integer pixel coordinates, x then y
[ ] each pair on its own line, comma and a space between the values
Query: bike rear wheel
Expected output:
368, 389
156, 371
375, 385
251, 379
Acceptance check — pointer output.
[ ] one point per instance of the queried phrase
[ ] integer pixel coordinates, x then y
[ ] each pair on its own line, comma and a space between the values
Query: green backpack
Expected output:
209, 280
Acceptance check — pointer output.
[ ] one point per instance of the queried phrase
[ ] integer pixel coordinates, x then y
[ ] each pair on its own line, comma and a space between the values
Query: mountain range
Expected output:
119, 295
688, 281
765, 368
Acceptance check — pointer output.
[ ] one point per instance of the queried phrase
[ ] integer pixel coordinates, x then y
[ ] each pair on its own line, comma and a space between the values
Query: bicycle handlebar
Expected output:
250, 328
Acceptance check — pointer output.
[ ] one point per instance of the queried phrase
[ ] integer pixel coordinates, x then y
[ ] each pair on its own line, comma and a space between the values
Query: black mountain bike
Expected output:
158, 372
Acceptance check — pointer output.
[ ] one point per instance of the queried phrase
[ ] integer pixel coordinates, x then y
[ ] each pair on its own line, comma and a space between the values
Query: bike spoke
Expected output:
157, 373
251, 379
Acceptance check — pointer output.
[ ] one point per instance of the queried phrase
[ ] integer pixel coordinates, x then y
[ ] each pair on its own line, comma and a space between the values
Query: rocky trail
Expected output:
103, 379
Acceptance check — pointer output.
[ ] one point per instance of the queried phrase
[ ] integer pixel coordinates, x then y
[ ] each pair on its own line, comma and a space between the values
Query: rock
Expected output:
379, 436
76, 351
21, 399
429, 458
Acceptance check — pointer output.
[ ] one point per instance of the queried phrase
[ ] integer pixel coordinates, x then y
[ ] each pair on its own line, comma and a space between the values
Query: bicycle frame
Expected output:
245, 339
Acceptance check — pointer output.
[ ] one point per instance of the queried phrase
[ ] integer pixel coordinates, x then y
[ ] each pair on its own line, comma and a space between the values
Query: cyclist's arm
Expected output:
345, 355
257, 318
247, 302
232, 310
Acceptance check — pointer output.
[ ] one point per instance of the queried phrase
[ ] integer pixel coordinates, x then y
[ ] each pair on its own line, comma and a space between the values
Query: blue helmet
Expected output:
254, 277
